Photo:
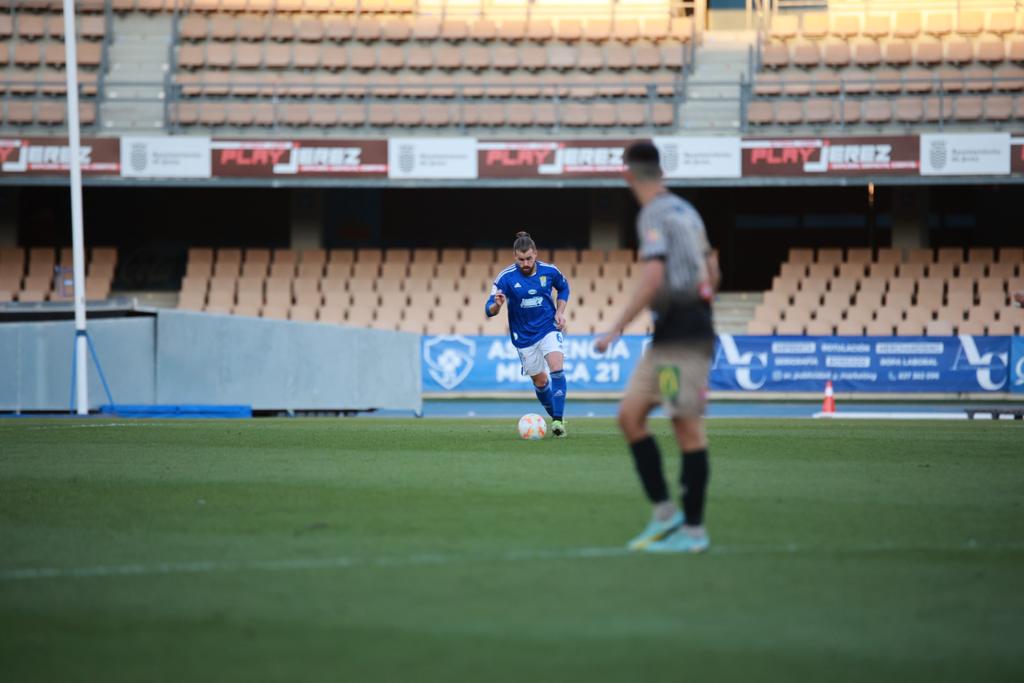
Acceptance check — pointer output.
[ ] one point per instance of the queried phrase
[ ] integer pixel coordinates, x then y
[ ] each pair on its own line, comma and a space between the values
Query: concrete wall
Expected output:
275, 364
179, 357
35, 363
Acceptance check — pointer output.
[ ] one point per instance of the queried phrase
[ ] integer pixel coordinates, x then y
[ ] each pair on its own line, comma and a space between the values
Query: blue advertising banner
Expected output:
963, 364
481, 364
862, 364
1017, 356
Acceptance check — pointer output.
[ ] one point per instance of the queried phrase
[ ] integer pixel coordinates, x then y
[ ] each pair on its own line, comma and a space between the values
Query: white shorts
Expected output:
532, 357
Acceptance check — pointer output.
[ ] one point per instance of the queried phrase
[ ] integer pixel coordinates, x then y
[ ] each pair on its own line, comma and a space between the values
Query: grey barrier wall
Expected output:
35, 363
274, 364
179, 357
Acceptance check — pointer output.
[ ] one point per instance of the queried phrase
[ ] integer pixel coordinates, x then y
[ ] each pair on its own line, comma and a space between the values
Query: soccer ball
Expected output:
532, 426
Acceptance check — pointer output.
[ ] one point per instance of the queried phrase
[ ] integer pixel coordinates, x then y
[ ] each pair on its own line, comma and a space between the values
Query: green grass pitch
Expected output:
364, 550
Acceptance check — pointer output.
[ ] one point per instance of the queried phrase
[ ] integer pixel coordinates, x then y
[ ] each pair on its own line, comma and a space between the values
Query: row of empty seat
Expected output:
57, 6
467, 58
417, 320
32, 27
340, 29
897, 53
44, 274
925, 255
891, 82
488, 8
880, 111
378, 115
217, 85
261, 6
22, 112
486, 255
906, 24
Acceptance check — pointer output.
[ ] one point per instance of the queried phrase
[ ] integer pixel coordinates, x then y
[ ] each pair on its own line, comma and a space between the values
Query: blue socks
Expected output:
558, 389
544, 396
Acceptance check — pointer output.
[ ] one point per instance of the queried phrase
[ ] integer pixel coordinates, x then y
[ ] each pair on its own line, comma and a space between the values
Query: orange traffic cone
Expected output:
828, 406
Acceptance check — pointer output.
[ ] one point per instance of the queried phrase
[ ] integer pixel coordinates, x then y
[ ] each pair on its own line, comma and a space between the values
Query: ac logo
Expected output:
750, 367
992, 369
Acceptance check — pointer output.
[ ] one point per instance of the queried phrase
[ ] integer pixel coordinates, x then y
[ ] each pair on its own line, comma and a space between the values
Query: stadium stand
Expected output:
45, 274
379, 71
32, 63
925, 291
419, 290
882, 69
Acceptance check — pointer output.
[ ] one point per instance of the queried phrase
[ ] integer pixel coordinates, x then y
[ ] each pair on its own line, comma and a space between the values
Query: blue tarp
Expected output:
177, 411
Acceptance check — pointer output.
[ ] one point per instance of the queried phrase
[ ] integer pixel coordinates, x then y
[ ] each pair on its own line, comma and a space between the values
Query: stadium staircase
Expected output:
138, 61
714, 88
735, 310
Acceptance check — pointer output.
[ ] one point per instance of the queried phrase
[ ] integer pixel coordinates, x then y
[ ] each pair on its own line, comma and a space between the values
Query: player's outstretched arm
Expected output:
651, 276
495, 302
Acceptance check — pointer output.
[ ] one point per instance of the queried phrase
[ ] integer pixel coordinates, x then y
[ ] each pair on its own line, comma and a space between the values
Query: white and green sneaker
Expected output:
558, 429
682, 540
656, 530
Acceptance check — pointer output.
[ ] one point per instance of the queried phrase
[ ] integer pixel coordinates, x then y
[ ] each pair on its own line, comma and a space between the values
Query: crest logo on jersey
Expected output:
543, 281
449, 359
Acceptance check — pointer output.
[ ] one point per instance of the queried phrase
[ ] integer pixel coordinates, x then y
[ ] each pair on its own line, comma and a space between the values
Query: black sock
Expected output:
647, 459
694, 480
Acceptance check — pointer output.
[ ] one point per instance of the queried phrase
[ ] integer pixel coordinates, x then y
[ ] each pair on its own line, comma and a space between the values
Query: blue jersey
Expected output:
530, 302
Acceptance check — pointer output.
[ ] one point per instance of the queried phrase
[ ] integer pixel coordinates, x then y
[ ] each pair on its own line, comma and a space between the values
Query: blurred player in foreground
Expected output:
677, 279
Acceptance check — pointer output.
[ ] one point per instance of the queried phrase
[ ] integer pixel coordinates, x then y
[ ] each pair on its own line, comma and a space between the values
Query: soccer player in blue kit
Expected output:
536, 319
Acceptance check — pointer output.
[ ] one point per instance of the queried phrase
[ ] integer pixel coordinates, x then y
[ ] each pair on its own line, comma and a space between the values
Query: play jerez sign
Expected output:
468, 159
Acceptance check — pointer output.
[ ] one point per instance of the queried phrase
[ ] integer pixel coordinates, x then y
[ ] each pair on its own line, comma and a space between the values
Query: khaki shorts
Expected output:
675, 376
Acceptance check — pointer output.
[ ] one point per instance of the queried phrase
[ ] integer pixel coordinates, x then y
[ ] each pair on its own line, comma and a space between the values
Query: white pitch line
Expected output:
891, 416
37, 428
437, 559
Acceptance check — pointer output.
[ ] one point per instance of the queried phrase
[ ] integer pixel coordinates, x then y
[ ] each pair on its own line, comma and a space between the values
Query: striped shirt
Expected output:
669, 228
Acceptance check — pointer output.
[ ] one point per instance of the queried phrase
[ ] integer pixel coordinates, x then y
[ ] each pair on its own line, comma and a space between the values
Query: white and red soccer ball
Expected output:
532, 427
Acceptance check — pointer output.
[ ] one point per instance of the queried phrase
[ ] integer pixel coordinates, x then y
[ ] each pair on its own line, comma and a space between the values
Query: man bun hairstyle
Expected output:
644, 161
523, 242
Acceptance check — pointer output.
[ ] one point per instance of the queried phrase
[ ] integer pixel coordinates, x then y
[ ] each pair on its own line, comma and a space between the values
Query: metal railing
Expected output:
863, 90
458, 100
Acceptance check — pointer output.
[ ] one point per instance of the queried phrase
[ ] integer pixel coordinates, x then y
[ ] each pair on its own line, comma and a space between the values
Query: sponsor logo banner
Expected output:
824, 156
299, 158
51, 156
1017, 361
432, 158
165, 157
748, 364
480, 364
693, 157
551, 159
868, 364
1017, 154
965, 154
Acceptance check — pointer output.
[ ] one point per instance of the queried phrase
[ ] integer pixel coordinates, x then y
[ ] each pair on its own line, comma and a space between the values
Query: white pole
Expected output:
77, 237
